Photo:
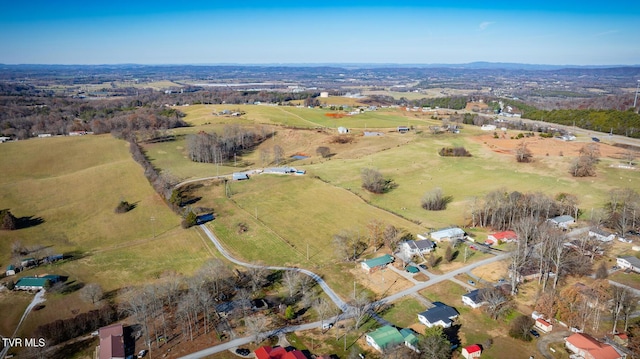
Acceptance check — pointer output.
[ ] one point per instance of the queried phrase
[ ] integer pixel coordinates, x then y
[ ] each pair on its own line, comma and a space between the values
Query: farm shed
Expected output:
448, 234
239, 176
472, 351
375, 264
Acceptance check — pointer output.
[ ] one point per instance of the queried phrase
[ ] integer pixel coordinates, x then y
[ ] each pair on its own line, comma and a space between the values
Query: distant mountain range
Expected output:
468, 66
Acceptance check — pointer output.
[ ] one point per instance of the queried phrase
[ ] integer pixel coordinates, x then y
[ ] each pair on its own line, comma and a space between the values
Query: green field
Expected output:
72, 185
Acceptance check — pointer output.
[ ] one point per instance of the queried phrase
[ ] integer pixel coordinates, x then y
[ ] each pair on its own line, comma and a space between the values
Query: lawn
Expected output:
403, 313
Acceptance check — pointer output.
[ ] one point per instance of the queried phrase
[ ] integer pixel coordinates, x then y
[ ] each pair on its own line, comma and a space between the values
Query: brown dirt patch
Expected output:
542, 146
493, 271
382, 283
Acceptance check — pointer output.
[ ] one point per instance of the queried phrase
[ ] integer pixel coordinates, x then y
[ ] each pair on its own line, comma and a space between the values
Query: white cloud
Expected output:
485, 24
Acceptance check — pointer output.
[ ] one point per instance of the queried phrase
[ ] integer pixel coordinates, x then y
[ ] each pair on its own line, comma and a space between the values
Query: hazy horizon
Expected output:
561, 33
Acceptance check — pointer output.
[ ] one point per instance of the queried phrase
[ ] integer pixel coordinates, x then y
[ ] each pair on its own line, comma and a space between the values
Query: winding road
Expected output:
346, 309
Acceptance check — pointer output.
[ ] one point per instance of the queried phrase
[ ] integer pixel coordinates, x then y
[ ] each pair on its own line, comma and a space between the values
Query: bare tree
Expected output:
323, 151
91, 292
523, 154
348, 244
290, 280
278, 154
391, 236
435, 200
361, 309
324, 308
265, 155
619, 296
585, 164
374, 182
256, 325
376, 232
497, 303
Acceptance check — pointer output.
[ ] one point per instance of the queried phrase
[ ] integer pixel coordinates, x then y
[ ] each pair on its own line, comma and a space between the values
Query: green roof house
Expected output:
410, 338
36, 283
384, 338
374, 264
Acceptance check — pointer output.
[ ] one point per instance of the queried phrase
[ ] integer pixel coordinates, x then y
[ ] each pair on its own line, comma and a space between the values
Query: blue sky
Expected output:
259, 32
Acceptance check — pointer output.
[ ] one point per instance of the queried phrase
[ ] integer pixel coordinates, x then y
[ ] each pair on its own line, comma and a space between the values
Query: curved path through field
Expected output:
325, 287
37, 299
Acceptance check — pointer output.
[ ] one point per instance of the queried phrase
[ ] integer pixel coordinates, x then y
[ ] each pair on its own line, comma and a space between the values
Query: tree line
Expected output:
217, 148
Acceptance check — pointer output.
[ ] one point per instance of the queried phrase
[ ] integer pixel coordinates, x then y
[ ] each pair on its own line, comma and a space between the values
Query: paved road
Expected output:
334, 297
546, 339
325, 287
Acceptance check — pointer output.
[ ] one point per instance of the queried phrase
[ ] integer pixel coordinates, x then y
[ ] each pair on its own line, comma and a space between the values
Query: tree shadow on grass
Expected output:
28, 221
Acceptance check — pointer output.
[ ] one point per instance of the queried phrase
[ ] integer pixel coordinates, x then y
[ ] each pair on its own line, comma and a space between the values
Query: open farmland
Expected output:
72, 186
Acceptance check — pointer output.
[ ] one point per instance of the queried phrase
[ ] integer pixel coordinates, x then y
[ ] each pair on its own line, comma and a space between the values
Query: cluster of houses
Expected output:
27, 263
241, 176
388, 337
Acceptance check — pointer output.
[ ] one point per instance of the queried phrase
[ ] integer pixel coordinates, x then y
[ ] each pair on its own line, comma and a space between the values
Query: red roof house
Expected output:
263, 352
267, 352
111, 342
472, 351
501, 237
589, 348
294, 354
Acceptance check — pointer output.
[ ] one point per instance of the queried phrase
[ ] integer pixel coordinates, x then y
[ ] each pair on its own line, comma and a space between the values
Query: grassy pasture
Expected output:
298, 117
74, 184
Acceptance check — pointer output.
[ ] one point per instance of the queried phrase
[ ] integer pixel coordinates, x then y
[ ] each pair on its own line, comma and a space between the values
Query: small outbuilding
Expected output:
378, 263
543, 325
240, 176
472, 351
11, 270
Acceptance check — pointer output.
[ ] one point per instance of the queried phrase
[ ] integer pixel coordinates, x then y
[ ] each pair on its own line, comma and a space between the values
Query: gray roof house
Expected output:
448, 234
473, 299
629, 262
562, 221
601, 235
441, 314
412, 248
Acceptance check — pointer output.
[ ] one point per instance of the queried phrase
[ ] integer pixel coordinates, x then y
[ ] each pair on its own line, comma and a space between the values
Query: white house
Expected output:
412, 248
473, 299
442, 315
543, 325
629, 262
601, 235
472, 351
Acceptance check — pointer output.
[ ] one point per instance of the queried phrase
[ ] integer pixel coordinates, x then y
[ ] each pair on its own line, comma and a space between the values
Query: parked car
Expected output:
423, 266
243, 351
327, 326
471, 282
595, 139
501, 281
534, 333
142, 353
473, 248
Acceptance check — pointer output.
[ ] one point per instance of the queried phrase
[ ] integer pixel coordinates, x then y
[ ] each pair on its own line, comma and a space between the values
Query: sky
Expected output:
330, 31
